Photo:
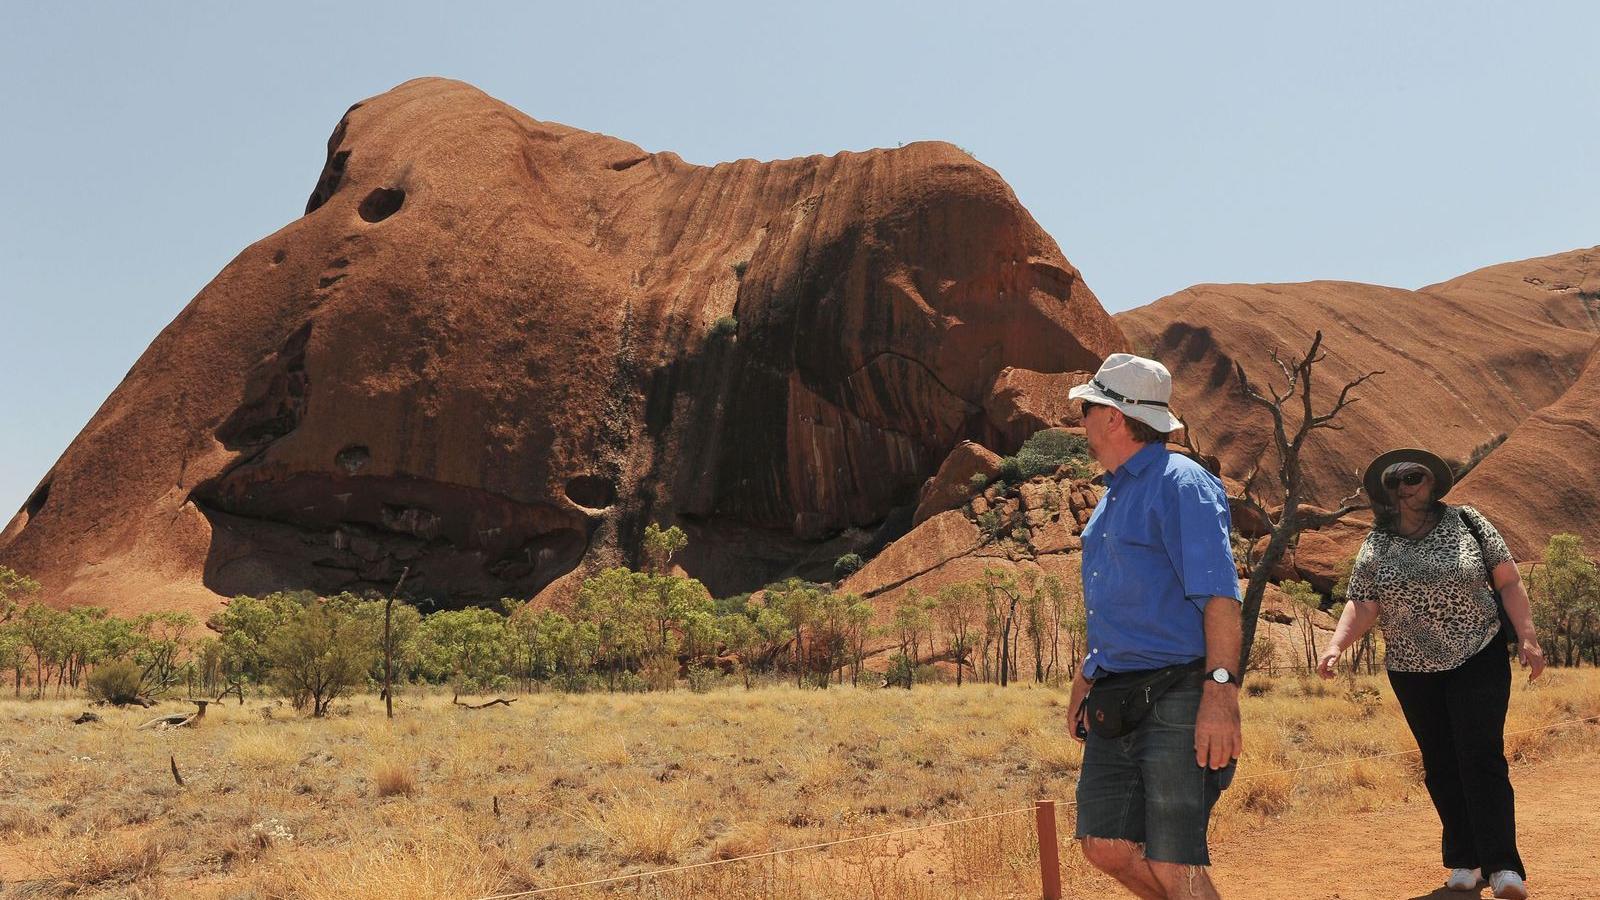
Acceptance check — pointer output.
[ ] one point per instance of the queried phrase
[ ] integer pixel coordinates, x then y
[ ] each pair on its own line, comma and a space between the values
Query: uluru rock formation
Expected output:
1545, 479
1464, 363
494, 348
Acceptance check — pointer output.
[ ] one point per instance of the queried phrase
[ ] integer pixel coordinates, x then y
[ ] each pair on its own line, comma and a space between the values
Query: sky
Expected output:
144, 145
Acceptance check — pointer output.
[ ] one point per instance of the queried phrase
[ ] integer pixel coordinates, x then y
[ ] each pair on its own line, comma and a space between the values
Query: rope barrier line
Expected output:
722, 862
914, 828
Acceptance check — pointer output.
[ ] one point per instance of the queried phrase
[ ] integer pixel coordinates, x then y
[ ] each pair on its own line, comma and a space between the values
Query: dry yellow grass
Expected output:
560, 789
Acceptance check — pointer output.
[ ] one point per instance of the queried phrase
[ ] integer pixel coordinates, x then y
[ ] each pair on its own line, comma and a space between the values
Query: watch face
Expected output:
1219, 675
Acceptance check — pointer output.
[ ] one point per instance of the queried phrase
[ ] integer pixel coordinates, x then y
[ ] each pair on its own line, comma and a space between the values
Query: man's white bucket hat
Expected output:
1139, 387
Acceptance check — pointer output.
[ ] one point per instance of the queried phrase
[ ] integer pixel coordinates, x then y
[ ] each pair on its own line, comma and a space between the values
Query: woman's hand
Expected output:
1330, 659
1532, 657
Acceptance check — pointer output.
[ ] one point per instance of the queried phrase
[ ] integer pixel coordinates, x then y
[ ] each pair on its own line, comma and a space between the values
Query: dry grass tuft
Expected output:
391, 778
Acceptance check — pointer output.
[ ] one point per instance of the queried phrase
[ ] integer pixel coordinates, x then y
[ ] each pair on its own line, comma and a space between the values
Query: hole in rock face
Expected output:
332, 174
279, 257
353, 459
37, 500
382, 203
592, 491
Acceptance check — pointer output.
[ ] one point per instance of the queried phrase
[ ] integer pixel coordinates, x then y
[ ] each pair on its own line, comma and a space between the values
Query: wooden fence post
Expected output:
1049, 852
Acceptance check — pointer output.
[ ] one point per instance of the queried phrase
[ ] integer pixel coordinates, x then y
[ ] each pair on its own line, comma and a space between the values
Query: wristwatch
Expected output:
1222, 676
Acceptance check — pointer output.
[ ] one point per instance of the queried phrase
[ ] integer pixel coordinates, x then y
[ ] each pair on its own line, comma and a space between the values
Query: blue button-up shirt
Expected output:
1155, 552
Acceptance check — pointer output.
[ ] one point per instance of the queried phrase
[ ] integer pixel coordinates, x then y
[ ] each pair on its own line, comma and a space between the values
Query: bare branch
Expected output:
498, 701
1344, 400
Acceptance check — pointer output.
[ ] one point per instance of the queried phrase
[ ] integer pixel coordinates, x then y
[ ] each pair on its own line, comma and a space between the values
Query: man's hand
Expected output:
1218, 738
1080, 690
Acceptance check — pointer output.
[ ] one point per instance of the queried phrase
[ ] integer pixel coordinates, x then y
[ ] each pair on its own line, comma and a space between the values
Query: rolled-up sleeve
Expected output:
1198, 541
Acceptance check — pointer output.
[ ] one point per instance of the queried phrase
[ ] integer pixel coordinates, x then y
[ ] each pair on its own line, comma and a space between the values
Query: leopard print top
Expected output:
1435, 605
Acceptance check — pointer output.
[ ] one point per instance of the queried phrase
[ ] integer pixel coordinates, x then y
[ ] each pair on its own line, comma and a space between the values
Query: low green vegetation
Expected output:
1044, 453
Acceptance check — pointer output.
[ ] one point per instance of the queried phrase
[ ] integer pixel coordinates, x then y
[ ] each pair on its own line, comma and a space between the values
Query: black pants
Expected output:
1459, 720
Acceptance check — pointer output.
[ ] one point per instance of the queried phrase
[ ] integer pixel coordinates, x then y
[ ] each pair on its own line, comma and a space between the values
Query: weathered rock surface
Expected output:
1545, 479
495, 348
1464, 361
1022, 401
951, 486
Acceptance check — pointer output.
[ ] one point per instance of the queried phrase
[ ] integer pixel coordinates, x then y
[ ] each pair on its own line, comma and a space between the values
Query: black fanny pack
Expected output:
1117, 703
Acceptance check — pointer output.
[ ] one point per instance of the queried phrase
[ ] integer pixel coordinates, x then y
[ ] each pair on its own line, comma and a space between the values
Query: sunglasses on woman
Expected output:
1409, 479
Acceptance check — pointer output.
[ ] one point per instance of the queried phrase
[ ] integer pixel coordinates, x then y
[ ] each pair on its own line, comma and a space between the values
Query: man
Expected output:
1160, 593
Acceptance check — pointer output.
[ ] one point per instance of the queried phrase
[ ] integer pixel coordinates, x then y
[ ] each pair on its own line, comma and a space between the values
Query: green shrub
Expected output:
901, 672
978, 481
1050, 449
847, 565
740, 267
725, 327
115, 682
989, 523
1010, 470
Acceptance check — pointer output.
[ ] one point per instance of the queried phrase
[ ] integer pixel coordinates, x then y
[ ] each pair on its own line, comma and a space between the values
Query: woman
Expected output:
1424, 576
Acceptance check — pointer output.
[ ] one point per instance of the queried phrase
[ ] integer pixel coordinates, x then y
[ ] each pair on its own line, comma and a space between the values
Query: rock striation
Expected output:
1463, 361
494, 348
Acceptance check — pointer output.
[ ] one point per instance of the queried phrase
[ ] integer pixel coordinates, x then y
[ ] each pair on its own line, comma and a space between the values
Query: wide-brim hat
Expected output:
1443, 476
1139, 388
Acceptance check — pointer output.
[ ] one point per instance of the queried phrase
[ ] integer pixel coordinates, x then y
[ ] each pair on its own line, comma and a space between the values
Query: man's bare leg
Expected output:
1124, 861
1180, 882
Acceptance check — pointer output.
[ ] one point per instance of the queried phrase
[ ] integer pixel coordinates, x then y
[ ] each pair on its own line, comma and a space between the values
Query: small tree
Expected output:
1565, 592
659, 546
469, 646
319, 653
1297, 376
15, 588
847, 565
799, 603
958, 608
1307, 602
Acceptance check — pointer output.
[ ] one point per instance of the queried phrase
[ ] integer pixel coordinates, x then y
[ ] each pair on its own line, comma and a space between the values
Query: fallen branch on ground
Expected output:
495, 702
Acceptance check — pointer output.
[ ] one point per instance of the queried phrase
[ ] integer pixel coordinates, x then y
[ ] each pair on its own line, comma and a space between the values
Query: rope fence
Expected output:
1045, 821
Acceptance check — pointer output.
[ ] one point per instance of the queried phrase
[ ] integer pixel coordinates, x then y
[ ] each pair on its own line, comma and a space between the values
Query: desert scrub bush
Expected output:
847, 565
1010, 471
115, 682
1046, 451
740, 267
977, 482
726, 326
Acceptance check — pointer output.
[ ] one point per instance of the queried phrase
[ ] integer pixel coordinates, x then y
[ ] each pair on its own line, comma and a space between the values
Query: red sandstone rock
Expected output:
951, 486
1022, 401
1545, 479
1463, 361
487, 353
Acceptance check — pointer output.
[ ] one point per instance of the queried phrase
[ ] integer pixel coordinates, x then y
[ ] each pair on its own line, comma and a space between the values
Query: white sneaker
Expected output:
1507, 885
1464, 879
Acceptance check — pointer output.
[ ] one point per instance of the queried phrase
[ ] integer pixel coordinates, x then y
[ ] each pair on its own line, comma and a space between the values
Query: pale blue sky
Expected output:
143, 145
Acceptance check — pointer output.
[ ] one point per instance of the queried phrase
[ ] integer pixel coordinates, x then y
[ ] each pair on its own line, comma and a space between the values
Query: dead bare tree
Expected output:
388, 645
1285, 529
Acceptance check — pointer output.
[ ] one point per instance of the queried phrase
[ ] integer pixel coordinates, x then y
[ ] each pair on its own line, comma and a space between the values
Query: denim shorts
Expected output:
1145, 786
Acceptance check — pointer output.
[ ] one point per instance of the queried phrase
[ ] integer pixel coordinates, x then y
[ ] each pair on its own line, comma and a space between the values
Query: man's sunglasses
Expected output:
1409, 479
